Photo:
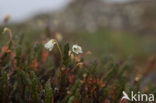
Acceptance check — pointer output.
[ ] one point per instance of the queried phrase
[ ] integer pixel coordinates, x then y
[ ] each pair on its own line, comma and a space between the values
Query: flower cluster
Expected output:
50, 45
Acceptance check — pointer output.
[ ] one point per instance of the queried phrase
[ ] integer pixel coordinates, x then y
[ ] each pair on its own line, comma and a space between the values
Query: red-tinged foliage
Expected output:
150, 66
71, 78
107, 101
6, 52
45, 55
40, 76
35, 64
124, 101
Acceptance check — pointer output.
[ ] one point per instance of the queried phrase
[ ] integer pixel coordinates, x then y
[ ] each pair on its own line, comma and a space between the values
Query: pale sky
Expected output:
24, 9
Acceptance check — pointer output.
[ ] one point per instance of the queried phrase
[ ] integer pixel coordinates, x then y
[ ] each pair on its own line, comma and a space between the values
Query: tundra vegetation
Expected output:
29, 73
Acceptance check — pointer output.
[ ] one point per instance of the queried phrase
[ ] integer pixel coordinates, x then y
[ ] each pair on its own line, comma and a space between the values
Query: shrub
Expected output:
35, 75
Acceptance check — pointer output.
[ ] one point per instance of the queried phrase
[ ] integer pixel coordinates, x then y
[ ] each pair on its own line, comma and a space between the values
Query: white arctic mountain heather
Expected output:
50, 44
77, 49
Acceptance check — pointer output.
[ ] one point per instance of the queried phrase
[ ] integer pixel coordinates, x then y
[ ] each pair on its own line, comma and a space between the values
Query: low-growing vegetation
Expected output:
36, 75
57, 72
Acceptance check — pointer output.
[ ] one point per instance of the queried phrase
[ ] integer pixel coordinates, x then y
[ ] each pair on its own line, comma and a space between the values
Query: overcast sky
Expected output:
22, 9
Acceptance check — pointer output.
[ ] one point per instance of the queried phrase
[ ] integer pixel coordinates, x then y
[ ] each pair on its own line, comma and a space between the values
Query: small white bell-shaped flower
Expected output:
50, 44
77, 49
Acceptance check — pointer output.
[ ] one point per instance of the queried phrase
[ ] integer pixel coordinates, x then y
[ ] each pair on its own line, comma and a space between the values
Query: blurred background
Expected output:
123, 28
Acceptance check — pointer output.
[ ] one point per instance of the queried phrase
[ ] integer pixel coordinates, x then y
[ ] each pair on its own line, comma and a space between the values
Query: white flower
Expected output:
50, 44
77, 49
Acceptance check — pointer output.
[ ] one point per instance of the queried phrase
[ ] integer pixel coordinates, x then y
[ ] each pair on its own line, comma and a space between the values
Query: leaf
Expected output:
65, 55
24, 77
35, 88
112, 73
71, 99
48, 93
4, 87
45, 55
1, 30
71, 78
35, 64
77, 96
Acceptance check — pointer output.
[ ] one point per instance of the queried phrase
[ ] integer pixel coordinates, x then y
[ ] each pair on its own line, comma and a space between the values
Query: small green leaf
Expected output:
48, 93
65, 55
71, 99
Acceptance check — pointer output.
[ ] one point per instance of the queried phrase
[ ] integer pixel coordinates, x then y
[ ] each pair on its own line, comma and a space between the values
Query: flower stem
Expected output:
10, 34
59, 48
